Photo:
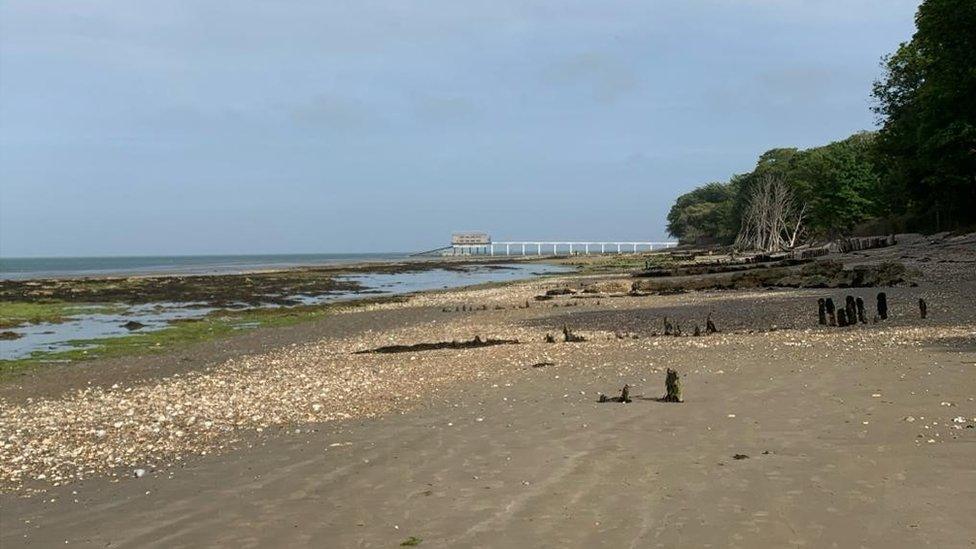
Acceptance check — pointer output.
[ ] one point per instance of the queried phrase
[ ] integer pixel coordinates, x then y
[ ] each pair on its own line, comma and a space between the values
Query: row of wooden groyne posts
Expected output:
853, 311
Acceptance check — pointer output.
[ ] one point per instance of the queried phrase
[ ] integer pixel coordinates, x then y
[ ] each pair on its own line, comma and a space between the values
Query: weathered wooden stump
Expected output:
570, 337
672, 387
550, 338
709, 325
923, 308
860, 311
822, 312
623, 398
842, 318
697, 331
883, 306
668, 328
850, 307
831, 312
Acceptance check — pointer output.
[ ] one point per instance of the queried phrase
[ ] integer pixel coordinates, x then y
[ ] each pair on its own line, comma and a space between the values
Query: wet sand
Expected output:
854, 437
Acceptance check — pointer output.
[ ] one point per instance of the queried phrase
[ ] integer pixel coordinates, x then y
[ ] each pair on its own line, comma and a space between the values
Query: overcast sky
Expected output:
239, 126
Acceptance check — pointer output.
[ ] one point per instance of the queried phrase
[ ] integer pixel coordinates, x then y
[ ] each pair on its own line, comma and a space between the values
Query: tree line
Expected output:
916, 173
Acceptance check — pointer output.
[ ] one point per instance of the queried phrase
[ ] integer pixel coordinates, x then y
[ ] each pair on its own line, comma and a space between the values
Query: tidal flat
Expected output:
66, 320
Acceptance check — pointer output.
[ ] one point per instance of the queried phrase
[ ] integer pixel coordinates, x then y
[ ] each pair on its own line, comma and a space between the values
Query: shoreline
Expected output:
407, 264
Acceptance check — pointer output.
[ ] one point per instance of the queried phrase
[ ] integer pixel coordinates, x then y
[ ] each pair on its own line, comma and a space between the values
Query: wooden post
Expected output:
667, 327
822, 312
709, 325
882, 306
860, 311
842, 317
624, 396
672, 387
570, 337
923, 308
831, 312
851, 309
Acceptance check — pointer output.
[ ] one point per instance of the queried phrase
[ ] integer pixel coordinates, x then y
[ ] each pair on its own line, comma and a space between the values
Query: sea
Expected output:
62, 267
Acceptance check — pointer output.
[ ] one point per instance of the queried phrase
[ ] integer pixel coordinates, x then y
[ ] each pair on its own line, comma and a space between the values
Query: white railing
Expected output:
540, 247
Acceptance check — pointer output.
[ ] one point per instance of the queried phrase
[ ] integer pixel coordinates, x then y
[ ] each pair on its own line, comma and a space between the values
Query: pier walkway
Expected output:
536, 247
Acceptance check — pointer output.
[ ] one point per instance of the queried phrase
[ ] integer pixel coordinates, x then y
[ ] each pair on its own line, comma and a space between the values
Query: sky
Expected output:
243, 126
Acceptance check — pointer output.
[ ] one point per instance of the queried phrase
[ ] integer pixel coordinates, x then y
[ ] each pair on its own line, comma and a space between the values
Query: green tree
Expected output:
837, 183
927, 145
702, 215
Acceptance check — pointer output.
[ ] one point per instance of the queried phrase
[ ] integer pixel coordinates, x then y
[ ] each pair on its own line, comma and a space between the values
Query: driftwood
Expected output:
923, 308
860, 310
473, 344
560, 291
672, 387
623, 398
831, 312
882, 306
822, 311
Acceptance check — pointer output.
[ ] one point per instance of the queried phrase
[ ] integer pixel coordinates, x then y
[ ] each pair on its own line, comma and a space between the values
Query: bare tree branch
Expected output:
772, 220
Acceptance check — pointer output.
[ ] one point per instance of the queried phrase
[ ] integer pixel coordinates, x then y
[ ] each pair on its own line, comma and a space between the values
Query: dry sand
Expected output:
854, 437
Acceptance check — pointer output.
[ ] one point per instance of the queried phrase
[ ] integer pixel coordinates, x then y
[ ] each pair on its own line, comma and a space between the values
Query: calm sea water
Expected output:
50, 267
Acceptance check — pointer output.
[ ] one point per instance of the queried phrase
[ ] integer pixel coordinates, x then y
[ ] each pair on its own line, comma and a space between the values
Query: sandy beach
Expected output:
791, 434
